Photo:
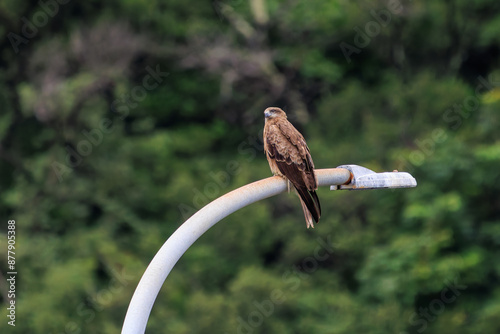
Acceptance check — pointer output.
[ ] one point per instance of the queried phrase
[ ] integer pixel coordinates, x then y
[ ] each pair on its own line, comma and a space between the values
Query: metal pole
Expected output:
171, 251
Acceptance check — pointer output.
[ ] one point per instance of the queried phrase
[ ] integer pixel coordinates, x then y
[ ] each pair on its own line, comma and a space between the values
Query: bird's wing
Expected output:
286, 146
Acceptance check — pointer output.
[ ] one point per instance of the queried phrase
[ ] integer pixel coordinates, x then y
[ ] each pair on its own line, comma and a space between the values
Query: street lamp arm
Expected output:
178, 243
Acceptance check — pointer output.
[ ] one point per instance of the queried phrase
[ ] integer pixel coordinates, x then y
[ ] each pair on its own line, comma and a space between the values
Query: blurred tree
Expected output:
121, 118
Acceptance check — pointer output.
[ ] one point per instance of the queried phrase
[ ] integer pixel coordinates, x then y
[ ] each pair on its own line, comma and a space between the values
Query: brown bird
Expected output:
289, 157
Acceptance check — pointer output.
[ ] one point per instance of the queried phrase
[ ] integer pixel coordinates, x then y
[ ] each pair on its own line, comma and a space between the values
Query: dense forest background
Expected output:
119, 119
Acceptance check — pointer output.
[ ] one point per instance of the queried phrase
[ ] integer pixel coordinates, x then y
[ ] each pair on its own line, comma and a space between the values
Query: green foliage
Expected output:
101, 160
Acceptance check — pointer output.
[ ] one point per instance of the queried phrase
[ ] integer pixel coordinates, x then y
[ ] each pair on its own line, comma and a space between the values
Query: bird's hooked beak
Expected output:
267, 113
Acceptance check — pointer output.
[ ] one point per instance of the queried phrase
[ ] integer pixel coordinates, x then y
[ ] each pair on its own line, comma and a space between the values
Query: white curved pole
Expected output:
171, 251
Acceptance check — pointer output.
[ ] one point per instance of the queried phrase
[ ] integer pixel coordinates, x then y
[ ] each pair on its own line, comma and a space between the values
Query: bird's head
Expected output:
273, 112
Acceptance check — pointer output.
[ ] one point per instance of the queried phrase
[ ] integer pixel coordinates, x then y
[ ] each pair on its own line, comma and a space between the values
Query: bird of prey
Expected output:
289, 157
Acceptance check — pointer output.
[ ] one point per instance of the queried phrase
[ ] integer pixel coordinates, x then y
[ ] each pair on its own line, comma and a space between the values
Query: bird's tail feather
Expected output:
316, 202
310, 205
307, 214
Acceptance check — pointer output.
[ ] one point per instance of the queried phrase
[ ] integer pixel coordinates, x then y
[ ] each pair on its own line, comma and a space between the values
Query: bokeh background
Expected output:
119, 119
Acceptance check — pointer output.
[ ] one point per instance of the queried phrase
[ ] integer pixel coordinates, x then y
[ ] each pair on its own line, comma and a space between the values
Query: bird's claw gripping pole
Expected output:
178, 243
